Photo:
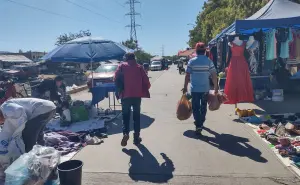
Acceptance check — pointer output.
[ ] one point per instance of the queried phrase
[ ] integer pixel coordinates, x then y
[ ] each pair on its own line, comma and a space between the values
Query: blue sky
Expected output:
164, 22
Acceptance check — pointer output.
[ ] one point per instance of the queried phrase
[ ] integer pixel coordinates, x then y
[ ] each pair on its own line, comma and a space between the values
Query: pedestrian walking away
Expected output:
198, 73
133, 84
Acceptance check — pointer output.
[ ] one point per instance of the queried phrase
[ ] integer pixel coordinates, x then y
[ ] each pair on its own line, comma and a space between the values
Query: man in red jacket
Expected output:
136, 86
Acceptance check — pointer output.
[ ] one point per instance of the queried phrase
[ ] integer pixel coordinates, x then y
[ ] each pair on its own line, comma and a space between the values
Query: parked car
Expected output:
156, 66
104, 74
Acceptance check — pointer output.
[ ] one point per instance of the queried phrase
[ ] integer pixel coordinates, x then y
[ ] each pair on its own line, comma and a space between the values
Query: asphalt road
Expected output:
228, 153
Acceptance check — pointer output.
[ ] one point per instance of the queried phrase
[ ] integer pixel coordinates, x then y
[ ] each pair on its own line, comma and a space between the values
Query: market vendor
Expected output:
24, 121
54, 86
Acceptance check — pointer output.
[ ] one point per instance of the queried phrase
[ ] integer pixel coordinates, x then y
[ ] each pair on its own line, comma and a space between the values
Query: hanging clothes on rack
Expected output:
285, 40
259, 36
298, 45
219, 53
271, 42
292, 46
214, 53
253, 50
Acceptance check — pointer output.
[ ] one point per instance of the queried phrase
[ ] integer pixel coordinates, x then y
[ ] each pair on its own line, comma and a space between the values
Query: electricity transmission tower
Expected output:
133, 24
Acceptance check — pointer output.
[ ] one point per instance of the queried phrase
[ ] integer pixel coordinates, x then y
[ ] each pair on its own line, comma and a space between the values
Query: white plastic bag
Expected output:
34, 167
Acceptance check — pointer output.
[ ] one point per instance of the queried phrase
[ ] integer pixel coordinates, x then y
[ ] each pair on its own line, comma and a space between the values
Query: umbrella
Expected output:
86, 50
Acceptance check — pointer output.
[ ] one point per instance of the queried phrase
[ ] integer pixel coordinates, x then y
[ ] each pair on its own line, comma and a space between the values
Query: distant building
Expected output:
7, 60
35, 56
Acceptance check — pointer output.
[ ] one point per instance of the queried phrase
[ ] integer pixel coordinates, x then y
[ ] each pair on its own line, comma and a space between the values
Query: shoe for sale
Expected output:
137, 141
124, 140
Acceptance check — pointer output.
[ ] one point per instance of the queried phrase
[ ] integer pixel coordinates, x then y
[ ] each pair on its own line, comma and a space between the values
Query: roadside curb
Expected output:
78, 89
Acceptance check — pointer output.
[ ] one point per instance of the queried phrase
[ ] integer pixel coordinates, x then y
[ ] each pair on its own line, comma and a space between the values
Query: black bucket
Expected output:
70, 172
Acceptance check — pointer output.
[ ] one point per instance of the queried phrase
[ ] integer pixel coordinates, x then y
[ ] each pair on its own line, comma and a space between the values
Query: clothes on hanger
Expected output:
253, 51
292, 47
282, 34
214, 55
259, 36
284, 48
271, 42
298, 45
238, 87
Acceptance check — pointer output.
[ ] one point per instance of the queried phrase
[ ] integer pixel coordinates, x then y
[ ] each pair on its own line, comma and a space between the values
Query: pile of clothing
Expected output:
66, 141
283, 132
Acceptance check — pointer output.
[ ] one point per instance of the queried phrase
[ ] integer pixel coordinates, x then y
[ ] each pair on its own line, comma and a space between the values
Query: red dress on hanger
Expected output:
238, 87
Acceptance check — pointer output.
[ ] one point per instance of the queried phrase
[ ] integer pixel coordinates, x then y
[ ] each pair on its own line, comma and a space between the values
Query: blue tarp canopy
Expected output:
277, 13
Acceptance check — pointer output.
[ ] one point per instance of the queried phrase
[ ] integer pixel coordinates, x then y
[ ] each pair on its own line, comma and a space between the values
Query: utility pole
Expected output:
132, 13
162, 50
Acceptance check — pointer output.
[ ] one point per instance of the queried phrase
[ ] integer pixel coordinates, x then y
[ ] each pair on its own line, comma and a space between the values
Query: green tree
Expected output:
131, 44
63, 38
216, 15
140, 54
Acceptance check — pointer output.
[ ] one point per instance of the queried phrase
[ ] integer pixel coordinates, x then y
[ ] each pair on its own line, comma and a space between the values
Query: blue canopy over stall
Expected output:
276, 13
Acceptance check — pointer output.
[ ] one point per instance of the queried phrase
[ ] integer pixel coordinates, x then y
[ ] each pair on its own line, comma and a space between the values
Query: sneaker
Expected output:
198, 131
137, 141
124, 140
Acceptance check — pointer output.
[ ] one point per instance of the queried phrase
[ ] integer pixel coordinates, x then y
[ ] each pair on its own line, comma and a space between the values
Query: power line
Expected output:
92, 4
117, 2
46, 11
87, 9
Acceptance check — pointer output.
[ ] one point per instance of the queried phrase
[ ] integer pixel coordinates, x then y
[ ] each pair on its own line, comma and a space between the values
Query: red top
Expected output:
136, 81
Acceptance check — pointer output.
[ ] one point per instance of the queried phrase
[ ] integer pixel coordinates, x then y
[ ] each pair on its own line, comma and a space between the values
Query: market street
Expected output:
228, 153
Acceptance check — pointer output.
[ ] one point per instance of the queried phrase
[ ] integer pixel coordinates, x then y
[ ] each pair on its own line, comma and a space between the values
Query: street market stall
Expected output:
266, 48
272, 43
80, 123
89, 50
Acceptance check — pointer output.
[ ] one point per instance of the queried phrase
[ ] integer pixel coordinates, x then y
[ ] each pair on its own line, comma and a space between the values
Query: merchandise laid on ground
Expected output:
280, 131
64, 137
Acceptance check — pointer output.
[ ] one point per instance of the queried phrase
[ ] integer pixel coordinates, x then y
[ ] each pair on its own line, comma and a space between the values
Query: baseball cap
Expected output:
200, 46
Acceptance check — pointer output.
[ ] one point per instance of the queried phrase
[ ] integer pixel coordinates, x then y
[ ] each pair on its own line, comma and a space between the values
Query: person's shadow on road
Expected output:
229, 143
145, 167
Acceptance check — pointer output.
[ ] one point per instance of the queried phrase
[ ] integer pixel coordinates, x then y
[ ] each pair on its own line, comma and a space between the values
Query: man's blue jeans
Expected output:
135, 103
199, 104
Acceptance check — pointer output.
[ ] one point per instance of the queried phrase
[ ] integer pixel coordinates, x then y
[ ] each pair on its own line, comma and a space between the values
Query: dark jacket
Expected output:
50, 85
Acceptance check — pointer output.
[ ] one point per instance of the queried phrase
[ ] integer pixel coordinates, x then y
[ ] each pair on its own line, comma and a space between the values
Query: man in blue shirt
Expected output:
198, 72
